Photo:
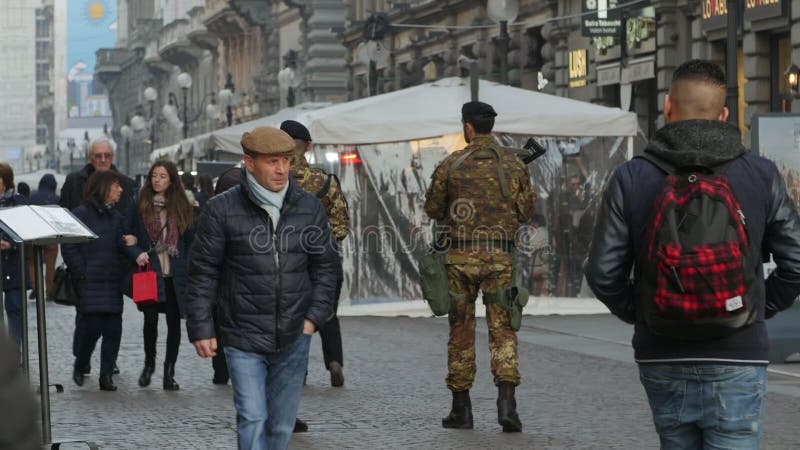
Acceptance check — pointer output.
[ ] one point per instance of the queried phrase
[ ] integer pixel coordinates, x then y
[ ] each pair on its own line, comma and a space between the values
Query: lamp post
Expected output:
127, 133
71, 146
185, 82
503, 12
226, 98
151, 95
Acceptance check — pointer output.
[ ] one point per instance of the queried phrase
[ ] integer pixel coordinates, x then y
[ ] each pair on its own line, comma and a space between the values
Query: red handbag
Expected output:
145, 286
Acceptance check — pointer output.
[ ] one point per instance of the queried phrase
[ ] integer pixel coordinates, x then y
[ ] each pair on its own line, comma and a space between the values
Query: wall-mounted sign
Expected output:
715, 15
763, 9
601, 18
578, 68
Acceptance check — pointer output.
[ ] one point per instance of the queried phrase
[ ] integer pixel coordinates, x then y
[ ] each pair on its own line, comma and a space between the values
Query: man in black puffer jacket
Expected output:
264, 248
702, 392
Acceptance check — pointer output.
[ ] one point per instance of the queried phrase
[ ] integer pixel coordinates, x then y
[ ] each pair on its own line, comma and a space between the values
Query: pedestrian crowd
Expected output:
253, 266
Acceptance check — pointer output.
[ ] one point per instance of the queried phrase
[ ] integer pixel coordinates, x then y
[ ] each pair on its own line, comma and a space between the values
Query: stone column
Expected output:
795, 38
673, 46
325, 71
757, 90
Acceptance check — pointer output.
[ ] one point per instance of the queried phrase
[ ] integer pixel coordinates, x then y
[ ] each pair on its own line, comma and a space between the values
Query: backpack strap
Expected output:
325, 187
663, 165
501, 175
671, 169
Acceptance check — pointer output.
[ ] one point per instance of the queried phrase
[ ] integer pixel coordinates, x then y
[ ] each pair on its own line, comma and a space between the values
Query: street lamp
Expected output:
127, 133
151, 95
185, 82
503, 12
226, 97
71, 146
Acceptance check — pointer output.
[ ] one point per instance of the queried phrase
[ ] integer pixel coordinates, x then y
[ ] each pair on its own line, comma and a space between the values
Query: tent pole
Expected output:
473, 80
630, 148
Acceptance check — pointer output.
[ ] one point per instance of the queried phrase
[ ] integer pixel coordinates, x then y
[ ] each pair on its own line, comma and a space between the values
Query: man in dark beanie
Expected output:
480, 195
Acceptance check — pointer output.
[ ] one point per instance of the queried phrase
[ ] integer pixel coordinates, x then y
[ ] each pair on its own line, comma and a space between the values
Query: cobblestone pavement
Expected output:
577, 392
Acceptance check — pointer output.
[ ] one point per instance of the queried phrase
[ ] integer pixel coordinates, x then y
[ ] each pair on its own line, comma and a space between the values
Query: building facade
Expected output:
408, 48
591, 65
18, 89
246, 59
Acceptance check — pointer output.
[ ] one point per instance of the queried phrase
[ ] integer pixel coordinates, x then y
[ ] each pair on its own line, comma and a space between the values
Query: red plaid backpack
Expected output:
698, 274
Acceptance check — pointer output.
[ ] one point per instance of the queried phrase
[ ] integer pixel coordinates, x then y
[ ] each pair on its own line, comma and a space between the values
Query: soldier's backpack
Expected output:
698, 274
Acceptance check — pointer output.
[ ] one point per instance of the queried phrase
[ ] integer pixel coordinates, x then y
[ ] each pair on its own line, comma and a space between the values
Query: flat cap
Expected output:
477, 110
267, 141
296, 130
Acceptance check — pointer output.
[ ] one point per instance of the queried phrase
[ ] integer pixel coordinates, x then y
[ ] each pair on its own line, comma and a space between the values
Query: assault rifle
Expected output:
529, 152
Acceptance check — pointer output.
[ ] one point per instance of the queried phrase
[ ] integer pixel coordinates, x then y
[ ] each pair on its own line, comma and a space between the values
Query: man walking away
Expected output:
264, 248
693, 218
326, 188
481, 195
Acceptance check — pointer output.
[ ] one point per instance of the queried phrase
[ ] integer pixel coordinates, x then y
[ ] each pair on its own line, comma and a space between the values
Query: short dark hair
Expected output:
482, 125
99, 184
700, 70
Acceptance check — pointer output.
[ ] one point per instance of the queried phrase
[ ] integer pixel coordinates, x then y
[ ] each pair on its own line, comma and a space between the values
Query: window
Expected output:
41, 134
42, 27
42, 72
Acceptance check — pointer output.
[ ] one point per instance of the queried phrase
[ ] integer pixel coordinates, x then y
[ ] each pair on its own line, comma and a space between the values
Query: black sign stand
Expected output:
41, 322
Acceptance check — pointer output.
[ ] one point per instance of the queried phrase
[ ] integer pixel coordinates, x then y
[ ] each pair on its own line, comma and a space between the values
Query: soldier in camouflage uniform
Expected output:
326, 187
480, 195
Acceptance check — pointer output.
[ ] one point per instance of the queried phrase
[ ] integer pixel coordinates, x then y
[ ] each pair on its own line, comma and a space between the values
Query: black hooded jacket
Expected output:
46, 194
773, 227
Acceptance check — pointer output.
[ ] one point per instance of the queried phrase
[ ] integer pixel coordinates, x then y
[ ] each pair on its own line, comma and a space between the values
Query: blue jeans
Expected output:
266, 394
13, 301
706, 406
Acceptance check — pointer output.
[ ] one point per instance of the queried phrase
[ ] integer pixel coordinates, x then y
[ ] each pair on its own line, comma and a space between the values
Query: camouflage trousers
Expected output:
488, 270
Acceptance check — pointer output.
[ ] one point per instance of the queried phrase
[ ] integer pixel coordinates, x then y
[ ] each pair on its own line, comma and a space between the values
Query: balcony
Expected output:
174, 45
110, 62
198, 33
221, 20
153, 60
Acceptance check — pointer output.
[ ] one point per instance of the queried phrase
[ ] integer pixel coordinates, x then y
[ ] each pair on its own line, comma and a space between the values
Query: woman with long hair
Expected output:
97, 272
10, 267
162, 224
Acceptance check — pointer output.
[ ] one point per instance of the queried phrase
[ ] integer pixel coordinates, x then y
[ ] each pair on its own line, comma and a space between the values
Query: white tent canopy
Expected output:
434, 109
431, 110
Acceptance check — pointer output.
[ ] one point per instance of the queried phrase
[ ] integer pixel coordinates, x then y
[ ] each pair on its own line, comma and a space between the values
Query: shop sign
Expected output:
601, 18
715, 14
578, 68
763, 9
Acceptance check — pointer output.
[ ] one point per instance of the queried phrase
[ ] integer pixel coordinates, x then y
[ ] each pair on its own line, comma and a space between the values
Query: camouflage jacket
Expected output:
312, 180
469, 200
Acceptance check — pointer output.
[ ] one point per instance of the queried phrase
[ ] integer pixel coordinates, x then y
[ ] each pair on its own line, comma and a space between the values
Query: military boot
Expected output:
507, 408
461, 413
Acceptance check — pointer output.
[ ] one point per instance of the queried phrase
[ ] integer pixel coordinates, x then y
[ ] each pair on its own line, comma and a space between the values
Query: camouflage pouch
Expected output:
516, 298
433, 281
513, 300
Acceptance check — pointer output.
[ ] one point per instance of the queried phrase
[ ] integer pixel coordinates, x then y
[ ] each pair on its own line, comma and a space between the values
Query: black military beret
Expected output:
477, 110
296, 130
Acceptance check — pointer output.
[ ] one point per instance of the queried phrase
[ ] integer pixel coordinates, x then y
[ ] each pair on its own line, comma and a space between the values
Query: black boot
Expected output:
106, 383
300, 426
77, 377
461, 414
507, 408
147, 373
87, 369
169, 377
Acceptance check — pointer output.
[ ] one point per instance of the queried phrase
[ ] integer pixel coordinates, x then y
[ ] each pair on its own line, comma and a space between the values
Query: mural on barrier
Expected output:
385, 187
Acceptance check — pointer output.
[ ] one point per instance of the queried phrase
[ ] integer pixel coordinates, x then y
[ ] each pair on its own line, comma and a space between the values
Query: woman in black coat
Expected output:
97, 271
10, 268
162, 224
